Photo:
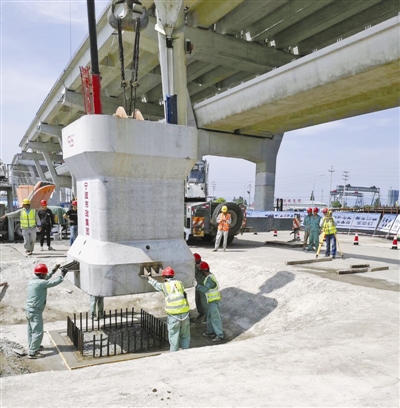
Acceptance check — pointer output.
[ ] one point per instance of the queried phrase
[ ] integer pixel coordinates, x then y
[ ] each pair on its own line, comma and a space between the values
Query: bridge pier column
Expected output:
265, 174
263, 152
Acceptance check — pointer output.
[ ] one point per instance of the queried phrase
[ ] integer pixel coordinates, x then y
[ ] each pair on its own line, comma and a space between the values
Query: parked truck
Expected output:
200, 213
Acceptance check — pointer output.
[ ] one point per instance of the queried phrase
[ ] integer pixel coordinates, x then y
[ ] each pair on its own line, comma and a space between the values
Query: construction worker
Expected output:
35, 304
46, 224
314, 230
28, 219
96, 307
176, 307
296, 226
328, 227
72, 217
224, 221
211, 289
307, 224
200, 297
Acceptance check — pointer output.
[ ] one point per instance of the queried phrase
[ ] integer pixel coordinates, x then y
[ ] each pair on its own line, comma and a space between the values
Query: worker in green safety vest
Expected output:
176, 307
29, 220
328, 226
211, 289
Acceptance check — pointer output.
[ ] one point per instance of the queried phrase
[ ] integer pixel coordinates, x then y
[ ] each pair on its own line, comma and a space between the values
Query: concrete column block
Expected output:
130, 191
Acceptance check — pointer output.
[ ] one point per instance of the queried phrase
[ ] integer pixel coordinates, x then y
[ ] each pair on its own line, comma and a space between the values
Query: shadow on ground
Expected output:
241, 310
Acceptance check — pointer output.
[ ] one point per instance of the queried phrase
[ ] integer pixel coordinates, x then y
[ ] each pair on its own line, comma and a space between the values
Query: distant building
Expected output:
297, 204
393, 198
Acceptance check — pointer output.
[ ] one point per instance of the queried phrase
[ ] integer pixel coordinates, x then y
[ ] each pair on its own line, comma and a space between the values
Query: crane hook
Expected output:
133, 10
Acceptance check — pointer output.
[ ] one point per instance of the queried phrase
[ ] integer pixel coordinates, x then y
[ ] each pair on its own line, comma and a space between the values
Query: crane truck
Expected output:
201, 214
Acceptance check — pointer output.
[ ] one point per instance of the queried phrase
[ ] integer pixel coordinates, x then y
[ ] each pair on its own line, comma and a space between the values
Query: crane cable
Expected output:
135, 68
133, 83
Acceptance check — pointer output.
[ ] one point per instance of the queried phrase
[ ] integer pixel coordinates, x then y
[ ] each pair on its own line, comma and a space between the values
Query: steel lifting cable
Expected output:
121, 59
135, 69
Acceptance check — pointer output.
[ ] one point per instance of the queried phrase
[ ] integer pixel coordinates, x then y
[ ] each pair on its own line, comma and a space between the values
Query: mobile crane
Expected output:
200, 214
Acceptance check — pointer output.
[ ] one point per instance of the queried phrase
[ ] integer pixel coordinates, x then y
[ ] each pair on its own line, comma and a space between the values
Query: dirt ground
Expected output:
62, 300
297, 335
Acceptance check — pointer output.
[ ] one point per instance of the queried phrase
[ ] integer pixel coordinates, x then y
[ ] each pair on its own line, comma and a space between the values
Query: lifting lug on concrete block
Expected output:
71, 266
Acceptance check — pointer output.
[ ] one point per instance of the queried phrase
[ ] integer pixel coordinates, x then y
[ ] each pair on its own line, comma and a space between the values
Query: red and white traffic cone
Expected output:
355, 242
394, 244
275, 233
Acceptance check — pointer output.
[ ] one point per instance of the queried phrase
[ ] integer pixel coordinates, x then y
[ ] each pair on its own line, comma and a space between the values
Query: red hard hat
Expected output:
204, 266
168, 272
41, 268
197, 257
43, 203
75, 203
324, 210
309, 210
315, 209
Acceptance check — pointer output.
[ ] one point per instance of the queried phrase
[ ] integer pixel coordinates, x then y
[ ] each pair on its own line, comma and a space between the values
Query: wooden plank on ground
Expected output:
359, 266
306, 261
347, 271
291, 244
378, 268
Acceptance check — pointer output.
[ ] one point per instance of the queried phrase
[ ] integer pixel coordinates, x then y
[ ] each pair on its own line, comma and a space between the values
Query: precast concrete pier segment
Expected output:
130, 190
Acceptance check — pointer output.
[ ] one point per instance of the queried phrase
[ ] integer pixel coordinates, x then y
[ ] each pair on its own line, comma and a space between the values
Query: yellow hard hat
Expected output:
224, 208
26, 201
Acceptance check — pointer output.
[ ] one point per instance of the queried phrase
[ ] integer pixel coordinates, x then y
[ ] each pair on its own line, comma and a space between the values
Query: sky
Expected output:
38, 39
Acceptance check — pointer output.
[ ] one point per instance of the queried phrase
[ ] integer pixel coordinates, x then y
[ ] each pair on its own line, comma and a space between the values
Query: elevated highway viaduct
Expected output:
256, 71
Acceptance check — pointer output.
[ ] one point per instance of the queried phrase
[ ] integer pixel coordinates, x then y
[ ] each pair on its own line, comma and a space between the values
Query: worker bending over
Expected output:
176, 307
296, 227
211, 289
199, 297
224, 221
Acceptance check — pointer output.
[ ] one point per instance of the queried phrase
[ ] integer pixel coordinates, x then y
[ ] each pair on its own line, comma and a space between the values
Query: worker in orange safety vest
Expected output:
224, 221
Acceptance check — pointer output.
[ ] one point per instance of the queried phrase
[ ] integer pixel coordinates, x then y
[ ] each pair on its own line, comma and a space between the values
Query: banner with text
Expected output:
386, 222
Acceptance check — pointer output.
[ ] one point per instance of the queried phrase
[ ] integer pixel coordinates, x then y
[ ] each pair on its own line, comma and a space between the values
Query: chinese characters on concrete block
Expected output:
86, 202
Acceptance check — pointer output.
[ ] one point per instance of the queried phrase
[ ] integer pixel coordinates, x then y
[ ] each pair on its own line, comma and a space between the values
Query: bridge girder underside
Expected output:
234, 42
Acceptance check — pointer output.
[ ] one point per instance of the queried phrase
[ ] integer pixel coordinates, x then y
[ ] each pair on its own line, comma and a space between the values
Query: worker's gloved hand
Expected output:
194, 282
56, 268
145, 277
64, 271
